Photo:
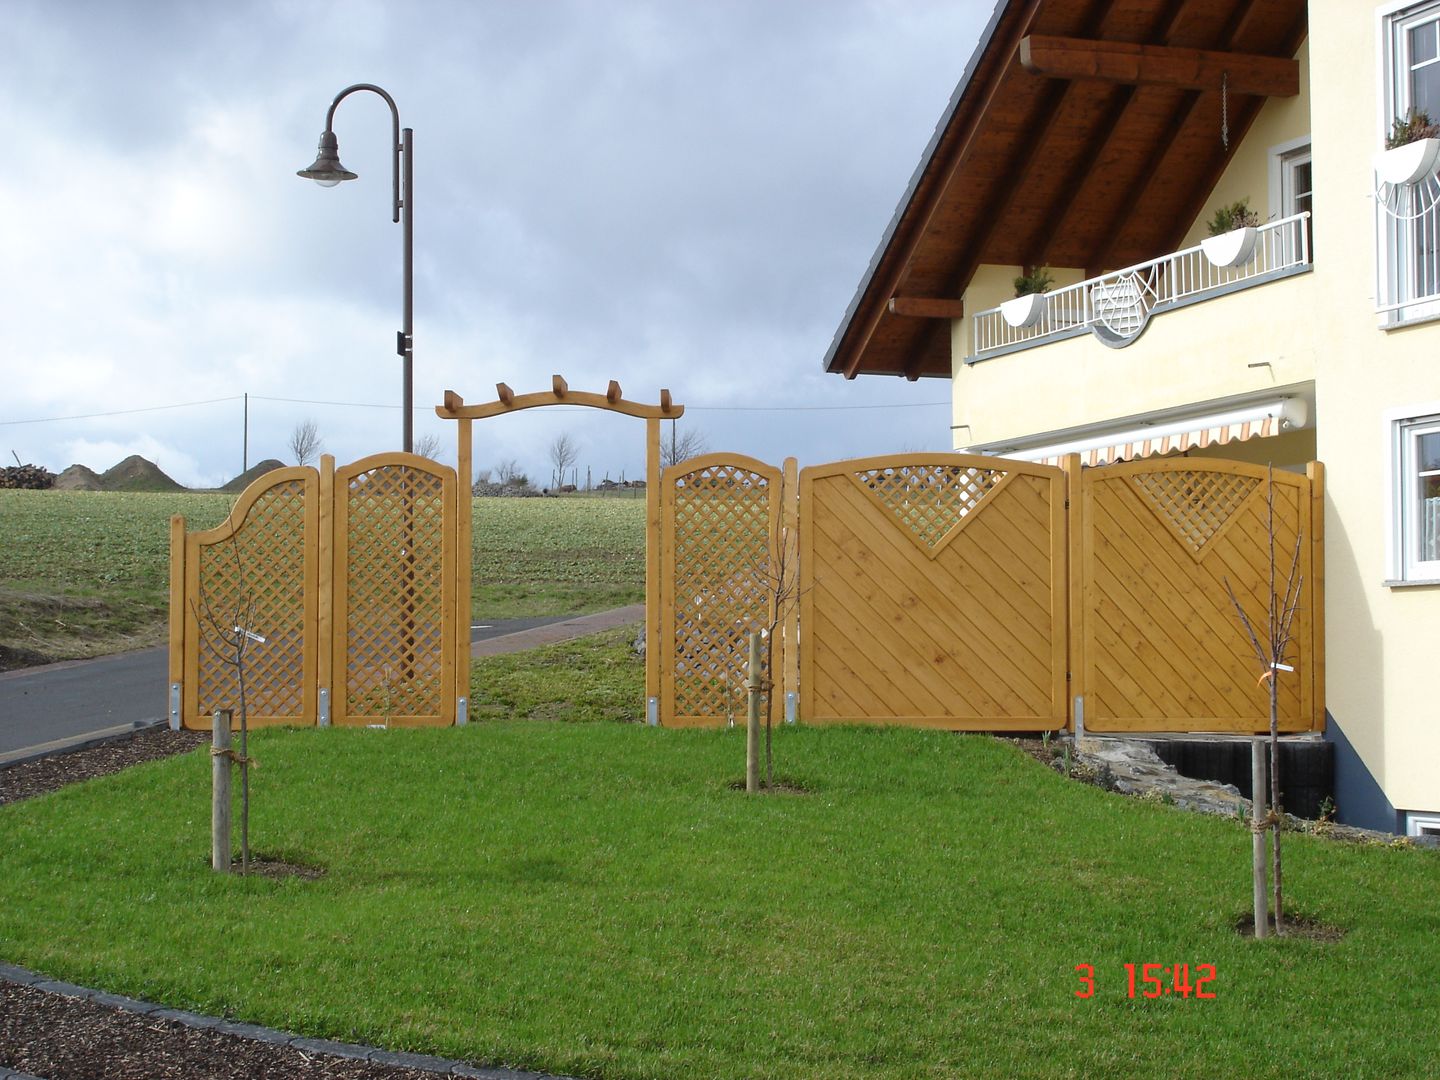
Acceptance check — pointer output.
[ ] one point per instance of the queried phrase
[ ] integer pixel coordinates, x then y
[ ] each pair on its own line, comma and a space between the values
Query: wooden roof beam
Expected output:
924, 307
1159, 65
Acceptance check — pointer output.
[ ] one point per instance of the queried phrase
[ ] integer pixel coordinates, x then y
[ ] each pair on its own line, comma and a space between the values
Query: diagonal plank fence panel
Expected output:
979, 593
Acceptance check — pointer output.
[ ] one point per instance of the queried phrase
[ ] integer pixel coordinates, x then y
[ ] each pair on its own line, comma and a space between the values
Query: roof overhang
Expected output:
1083, 133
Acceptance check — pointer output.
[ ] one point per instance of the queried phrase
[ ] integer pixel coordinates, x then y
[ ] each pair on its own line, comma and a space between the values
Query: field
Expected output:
86, 573
598, 899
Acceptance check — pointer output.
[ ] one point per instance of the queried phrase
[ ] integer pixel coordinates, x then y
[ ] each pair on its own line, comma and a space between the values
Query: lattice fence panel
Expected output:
260, 571
1195, 504
722, 562
394, 593
928, 501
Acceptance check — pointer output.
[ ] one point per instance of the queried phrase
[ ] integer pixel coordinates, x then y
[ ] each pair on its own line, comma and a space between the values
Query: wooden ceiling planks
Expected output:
1079, 173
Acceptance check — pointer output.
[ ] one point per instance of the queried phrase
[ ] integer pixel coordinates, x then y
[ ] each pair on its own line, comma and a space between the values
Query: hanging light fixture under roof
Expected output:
327, 170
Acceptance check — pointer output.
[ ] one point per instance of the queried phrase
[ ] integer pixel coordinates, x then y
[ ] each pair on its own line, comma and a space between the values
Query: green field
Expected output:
597, 899
86, 573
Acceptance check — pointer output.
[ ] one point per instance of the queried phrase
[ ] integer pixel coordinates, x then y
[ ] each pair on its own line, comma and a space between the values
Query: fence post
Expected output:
790, 558
177, 619
752, 718
220, 762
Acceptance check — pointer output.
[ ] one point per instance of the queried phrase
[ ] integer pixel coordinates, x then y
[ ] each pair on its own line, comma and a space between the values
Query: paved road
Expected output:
91, 698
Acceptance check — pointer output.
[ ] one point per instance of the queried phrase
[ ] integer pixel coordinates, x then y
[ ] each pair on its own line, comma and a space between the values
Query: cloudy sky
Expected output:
677, 194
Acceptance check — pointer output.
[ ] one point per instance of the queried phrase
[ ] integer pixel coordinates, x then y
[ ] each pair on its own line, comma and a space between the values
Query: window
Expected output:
1416, 457
1290, 190
1409, 215
1422, 825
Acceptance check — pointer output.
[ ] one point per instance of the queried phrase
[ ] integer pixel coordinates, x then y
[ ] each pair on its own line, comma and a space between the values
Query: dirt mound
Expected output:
78, 478
241, 482
135, 473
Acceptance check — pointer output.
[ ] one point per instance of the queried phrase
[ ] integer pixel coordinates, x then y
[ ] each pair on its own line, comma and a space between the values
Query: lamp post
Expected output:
327, 172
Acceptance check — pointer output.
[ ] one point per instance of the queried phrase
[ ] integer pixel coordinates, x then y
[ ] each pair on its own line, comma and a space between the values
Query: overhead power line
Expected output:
430, 408
120, 412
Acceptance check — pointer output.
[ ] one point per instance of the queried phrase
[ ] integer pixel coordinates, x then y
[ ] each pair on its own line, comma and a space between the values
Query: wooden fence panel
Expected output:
933, 592
395, 580
259, 566
351, 578
1162, 646
720, 560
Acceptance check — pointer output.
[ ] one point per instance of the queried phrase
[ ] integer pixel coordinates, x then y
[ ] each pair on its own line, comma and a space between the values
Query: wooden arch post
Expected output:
507, 401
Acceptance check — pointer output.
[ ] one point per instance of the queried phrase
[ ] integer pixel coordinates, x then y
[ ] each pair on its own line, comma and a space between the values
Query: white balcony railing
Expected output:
1116, 307
1407, 252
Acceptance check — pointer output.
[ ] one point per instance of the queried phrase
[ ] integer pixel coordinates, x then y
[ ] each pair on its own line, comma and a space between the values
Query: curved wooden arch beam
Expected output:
507, 401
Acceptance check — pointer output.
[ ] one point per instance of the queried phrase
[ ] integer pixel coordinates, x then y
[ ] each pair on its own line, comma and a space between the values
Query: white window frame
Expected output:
1402, 563
1394, 260
1283, 159
1422, 825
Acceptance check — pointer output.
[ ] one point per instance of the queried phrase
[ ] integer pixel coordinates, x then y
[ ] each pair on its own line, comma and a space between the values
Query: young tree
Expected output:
678, 447
305, 442
428, 446
563, 454
1270, 650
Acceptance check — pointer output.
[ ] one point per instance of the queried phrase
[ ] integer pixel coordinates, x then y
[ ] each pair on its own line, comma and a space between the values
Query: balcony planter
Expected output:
1229, 249
1407, 164
1023, 311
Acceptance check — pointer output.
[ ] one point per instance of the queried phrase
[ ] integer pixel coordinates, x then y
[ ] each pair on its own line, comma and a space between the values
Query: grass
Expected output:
86, 573
598, 677
557, 556
595, 898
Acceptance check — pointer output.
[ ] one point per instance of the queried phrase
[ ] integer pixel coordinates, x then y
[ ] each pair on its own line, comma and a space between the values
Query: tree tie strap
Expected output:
237, 758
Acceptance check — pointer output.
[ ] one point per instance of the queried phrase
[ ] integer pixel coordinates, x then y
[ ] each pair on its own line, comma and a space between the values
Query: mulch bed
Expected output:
37, 777
63, 1038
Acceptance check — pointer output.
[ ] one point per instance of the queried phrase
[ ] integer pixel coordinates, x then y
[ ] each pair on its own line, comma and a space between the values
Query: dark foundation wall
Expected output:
1307, 768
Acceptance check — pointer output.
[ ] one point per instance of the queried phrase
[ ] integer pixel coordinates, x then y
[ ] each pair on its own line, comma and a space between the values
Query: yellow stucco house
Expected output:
1099, 139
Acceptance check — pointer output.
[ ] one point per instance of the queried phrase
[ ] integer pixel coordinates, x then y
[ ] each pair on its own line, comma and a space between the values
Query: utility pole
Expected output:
245, 438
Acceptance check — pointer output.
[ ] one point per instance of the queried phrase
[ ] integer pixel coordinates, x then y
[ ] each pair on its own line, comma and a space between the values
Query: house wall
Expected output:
1383, 641
1319, 327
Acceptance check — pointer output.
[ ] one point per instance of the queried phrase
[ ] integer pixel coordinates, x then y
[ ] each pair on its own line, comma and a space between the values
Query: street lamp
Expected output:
327, 172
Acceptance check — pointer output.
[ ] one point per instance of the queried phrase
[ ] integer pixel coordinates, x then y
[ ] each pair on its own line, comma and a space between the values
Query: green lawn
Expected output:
87, 573
596, 898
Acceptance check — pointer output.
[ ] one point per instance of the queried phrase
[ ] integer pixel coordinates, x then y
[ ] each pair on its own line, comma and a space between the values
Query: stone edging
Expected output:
424, 1062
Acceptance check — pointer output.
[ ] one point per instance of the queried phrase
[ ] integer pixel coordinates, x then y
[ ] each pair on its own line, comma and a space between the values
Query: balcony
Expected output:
1116, 307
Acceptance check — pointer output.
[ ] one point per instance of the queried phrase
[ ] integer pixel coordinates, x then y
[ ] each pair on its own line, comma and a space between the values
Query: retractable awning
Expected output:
1102, 446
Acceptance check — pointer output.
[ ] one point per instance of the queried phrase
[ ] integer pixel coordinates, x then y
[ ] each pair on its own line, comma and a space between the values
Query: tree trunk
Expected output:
752, 719
1257, 835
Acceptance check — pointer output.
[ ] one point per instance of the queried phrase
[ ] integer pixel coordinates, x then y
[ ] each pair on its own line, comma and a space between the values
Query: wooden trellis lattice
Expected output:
725, 576
347, 576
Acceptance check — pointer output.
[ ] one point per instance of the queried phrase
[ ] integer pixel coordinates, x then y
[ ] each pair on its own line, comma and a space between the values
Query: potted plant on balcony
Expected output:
1410, 149
1232, 235
1029, 304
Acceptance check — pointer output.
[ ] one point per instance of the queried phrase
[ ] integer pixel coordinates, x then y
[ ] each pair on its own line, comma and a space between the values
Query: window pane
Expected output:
1428, 519
1422, 43
1427, 451
1425, 89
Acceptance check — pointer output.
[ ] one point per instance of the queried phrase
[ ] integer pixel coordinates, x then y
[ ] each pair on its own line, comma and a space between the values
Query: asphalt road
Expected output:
90, 698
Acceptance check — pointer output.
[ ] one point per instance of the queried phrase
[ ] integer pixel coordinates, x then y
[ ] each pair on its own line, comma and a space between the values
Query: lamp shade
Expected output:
327, 170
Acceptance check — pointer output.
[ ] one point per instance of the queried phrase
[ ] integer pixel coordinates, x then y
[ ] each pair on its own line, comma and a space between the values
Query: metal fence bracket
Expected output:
652, 711
324, 718
174, 706
462, 712
790, 706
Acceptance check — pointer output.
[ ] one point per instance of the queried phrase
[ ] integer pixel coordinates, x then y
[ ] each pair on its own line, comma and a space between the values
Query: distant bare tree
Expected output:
428, 446
305, 442
508, 472
563, 454
679, 447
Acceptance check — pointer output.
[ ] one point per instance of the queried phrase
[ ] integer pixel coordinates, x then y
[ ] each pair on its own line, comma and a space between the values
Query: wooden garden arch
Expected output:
560, 393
